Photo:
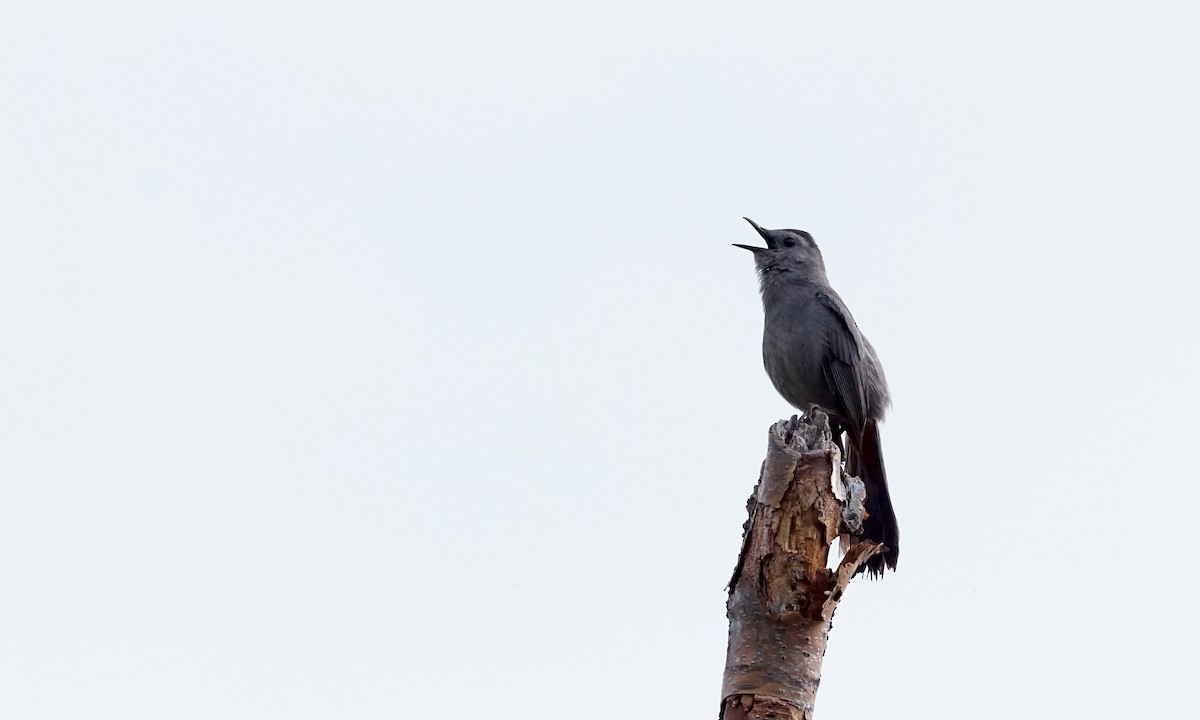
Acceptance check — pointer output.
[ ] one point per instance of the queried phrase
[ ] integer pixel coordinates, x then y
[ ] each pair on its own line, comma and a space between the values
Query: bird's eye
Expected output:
788, 242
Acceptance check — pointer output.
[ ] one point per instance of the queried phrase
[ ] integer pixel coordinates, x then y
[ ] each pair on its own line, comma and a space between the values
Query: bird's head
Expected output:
786, 250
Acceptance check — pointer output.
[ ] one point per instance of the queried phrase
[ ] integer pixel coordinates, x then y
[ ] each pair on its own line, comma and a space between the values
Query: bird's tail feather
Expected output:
866, 462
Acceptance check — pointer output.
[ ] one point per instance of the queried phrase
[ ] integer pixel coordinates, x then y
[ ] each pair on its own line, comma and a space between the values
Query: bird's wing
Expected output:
844, 364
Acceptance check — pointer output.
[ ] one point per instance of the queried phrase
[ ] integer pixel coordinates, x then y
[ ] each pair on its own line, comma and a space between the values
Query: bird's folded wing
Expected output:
844, 364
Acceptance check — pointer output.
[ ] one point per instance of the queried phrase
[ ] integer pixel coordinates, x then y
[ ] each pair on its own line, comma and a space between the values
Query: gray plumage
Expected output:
815, 354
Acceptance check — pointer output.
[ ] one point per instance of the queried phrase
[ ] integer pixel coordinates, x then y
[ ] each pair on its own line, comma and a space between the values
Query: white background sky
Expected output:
392, 360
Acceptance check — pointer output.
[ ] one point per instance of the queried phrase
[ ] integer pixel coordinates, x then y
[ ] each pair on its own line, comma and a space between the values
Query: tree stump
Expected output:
783, 595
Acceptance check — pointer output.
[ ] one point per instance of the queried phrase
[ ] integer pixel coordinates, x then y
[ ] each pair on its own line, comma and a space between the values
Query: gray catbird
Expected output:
815, 355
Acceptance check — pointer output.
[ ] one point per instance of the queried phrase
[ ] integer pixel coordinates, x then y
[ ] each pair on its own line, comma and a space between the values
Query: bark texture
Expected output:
783, 595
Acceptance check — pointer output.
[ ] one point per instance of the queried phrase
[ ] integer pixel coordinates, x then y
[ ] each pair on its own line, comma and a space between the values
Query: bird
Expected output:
816, 356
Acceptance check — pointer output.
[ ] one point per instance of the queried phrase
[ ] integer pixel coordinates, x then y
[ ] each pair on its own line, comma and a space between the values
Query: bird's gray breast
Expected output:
796, 333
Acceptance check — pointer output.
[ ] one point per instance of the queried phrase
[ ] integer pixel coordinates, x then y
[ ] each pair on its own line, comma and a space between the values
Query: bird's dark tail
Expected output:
866, 462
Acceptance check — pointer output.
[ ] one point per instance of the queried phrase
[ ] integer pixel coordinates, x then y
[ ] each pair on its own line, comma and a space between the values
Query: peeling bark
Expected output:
782, 595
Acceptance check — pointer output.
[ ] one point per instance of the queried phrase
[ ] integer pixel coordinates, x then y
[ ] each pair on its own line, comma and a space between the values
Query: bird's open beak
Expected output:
765, 236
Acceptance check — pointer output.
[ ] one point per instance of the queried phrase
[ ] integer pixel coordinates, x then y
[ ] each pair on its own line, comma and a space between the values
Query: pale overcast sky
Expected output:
389, 360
